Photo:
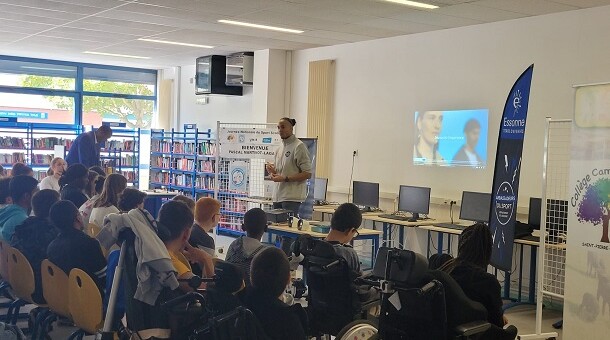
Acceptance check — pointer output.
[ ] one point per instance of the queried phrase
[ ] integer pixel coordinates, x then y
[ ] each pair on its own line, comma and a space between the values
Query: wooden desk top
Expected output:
286, 228
375, 218
254, 200
326, 209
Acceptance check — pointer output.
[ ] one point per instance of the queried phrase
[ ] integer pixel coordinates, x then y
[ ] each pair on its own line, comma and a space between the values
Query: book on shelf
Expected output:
41, 159
12, 142
48, 143
124, 145
206, 166
160, 146
12, 158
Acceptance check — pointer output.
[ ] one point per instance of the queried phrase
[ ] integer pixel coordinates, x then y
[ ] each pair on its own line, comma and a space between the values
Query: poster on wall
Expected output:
505, 188
248, 143
306, 209
238, 176
587, 293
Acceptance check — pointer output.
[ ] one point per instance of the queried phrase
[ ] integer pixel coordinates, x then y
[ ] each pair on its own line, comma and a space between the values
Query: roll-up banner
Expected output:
505, 188
586, 310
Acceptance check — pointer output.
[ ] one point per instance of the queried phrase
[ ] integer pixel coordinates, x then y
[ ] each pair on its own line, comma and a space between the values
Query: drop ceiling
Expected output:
64, 29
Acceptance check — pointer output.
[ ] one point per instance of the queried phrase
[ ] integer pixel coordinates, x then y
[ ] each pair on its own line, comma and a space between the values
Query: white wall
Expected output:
381, 83
227, 109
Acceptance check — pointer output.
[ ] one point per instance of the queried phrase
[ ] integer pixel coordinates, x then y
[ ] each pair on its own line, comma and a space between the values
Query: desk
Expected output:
285, 230
325, 209
258, 201
388, 223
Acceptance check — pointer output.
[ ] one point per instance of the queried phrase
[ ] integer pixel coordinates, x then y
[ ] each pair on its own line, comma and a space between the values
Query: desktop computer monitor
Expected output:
366, 194
475, 206
319, 189
533, 217
414, 200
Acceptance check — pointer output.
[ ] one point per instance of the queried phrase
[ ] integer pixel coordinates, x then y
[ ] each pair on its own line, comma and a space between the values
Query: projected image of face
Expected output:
429, 125
451, 138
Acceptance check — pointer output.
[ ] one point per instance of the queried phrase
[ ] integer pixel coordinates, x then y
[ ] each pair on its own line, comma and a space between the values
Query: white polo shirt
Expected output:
291, 158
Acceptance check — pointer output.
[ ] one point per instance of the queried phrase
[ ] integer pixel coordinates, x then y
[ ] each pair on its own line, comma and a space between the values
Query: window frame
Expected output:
78, 93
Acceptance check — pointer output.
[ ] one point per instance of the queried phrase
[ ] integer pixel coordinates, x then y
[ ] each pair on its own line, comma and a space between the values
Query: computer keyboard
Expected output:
451, 226
395, 217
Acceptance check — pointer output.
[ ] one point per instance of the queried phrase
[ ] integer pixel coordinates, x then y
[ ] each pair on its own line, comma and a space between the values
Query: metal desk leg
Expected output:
428, 245
385, 234
520, 273
532, 283
401, 237
440, 243
375, 249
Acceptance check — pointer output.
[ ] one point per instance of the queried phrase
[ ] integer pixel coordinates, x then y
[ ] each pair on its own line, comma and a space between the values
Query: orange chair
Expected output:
23, 284
84, 303
55, 291
4, 262
93, 229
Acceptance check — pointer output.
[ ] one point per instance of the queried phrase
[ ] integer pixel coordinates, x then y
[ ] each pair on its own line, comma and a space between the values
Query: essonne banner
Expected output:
248, 143
505, 188
586, 310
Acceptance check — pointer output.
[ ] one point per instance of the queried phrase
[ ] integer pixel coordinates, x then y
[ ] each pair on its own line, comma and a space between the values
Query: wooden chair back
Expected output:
85, 301
55, 288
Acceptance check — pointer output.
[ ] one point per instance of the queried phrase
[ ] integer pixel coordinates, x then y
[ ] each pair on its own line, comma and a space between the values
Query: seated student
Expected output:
58, 166
174, 223
269, 275
72, 183
21, 169
242, 250
195, 232
21, 189
469, 269
107, 202
207, 216
90, 188
32, 237
5, 194
343, 228
131, 199
73, 248
86, 208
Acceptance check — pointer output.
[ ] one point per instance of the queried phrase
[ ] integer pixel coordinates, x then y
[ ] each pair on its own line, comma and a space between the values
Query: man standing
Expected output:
86, 147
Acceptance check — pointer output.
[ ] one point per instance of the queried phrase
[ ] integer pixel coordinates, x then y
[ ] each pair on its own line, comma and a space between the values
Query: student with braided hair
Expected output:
469, 269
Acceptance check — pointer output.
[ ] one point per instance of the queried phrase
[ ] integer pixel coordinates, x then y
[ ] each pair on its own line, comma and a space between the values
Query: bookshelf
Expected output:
121, 153
34, 144
183, 161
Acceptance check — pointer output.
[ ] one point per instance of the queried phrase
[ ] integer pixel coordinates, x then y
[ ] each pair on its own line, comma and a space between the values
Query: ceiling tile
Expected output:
50, 14
583, 3
88, 34
368, 31
435, 19
23, 27
119, 23
168, 12
31, 18
320, 12
7, 36
528, 7
75, 44
483, 14
401, 26
337, 35
294, 21
55, 6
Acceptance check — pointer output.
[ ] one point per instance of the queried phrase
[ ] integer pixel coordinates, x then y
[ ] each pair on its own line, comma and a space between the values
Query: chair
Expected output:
23, 285
55, 292
4, 264
425, 304
84, 303
333, 299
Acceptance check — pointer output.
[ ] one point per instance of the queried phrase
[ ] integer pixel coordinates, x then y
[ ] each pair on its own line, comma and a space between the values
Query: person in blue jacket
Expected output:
86, 147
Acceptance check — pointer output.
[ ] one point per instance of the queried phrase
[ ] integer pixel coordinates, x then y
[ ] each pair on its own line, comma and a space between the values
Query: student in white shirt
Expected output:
58, 166
114, 185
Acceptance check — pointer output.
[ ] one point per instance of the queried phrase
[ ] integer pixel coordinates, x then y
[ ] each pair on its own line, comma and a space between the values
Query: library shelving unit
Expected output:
34, 144
183, 161
121, 154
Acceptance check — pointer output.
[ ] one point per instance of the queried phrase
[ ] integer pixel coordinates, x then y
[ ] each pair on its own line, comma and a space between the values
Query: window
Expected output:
133, 112
34, 108
37, 75
45, 91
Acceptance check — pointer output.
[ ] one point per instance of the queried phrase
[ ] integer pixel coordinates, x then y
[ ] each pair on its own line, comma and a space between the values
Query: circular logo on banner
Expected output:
238, 177
287, 153
505, 203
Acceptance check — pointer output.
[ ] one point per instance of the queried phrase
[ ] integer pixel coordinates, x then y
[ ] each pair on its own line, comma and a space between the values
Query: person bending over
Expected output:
33, 236
73, 248
270, 273
21, 189
469, 269
108, 200
175, 222
242, 250
72, 183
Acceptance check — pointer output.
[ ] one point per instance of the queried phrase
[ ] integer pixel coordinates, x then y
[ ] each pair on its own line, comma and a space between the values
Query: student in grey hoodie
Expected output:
242, 250
21, 189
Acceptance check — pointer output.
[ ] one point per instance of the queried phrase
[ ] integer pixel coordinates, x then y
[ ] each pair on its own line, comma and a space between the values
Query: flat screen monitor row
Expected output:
416, 200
